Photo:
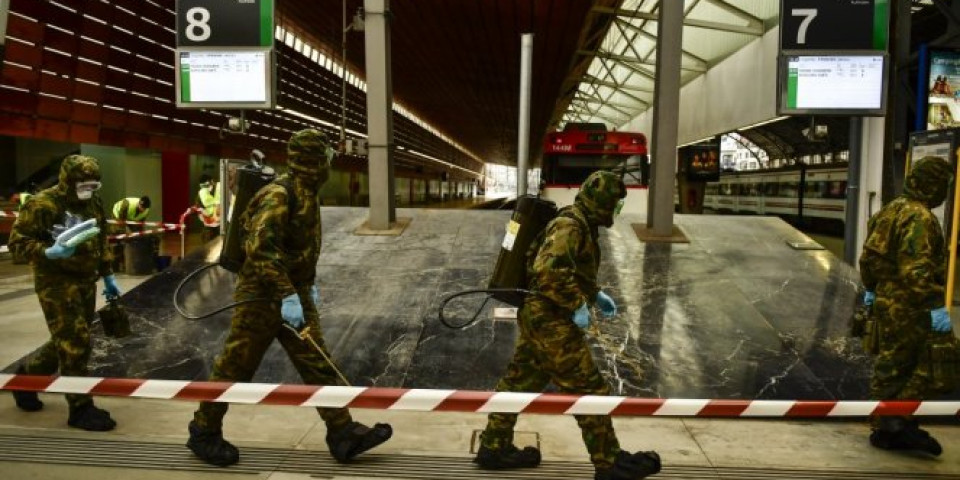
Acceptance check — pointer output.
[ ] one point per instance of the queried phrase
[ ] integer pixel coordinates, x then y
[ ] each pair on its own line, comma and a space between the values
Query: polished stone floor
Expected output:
736, 313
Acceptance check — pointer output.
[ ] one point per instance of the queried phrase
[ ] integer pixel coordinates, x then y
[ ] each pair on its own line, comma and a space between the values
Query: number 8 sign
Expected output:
225, 23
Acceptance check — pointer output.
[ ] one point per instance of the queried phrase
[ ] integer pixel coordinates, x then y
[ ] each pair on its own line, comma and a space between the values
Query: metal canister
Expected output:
942, 348
115, 321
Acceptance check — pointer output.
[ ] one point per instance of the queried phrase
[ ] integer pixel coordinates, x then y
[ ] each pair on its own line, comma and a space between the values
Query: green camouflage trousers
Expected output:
69, 308
898, 373
552, 349
252, 330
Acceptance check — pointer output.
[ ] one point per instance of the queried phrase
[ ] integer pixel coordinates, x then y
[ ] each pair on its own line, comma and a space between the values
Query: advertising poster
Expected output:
701, 162
943, 90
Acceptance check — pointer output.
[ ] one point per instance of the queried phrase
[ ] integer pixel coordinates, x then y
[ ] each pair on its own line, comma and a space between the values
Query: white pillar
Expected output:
666, 107
379, 114
523, 130
871, 177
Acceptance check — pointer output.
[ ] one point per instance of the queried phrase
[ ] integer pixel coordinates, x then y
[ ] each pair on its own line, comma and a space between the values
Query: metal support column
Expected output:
379, 114
666, 105
523, 130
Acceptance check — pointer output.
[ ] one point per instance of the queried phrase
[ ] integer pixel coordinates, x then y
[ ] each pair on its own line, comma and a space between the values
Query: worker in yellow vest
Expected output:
132, 209
209, 201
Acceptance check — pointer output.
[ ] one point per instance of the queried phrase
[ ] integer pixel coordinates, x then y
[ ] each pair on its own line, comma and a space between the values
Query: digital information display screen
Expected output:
841, 84
224, 78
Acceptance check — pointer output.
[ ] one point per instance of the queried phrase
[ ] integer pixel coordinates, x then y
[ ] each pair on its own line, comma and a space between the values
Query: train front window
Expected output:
574, 169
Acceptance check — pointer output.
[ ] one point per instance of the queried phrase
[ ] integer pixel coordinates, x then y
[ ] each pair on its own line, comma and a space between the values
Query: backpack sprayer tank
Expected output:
530, 217
250, 179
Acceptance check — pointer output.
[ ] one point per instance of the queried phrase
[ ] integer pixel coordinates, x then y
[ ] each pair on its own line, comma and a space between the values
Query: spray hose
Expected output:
489, 291
176, 297
303, 335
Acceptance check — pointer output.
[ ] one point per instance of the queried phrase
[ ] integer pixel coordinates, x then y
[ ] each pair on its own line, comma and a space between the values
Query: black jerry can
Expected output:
530, 217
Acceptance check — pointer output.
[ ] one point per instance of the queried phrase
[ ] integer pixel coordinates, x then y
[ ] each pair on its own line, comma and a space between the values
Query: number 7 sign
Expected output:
834, 24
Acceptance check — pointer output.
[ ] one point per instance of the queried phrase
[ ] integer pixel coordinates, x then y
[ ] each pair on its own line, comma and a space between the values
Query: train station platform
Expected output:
734, 314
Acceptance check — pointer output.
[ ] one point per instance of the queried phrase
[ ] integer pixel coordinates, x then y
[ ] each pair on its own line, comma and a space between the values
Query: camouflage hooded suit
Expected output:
904, 262
550, 347
282, 248
66, 287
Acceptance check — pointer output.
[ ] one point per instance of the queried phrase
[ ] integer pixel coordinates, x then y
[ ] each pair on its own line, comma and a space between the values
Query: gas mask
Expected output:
85, 189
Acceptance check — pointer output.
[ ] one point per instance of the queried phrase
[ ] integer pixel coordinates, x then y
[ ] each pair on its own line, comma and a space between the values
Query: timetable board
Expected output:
228, 78
837, 83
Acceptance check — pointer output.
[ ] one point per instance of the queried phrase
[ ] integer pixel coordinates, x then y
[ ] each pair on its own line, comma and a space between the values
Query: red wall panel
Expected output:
175, 174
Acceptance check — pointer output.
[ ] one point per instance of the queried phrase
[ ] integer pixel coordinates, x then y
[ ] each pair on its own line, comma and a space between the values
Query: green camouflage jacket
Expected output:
564, 271
281, 248
904, 257
33, 232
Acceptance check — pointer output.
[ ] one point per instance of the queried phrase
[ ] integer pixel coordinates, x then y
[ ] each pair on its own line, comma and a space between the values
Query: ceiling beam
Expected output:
614, 105
754, 27
603, 83
697, 60
626, 59
634, 97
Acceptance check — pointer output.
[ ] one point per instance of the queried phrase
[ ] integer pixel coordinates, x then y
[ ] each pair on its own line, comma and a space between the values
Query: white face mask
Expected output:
85, 189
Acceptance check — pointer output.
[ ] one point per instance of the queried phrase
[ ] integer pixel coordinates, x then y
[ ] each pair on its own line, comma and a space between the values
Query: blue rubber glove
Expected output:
581, 317
869, 297
57, 252
606, 304
110, 288
315, 296
292, 311
940, 320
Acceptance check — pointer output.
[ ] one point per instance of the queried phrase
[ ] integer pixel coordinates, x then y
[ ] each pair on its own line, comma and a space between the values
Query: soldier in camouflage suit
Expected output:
282, 248
903, 267
551, 347
66, 282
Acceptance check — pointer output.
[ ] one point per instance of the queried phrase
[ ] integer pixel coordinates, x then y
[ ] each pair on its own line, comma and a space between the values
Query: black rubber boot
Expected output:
210, 446
26, 401
898, 433
631, 466
356, 438
91, 418
507, 457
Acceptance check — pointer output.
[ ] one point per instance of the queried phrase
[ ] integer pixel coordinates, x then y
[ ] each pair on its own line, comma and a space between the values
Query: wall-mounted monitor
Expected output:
943, 90
832, 83
229, 78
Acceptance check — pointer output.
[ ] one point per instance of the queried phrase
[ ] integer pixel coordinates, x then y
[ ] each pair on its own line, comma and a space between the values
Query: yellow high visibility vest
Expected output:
129, 212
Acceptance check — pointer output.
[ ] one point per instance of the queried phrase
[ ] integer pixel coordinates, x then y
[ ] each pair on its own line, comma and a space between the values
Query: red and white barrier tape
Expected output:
123, 236
168, 226
187, 212
424, 400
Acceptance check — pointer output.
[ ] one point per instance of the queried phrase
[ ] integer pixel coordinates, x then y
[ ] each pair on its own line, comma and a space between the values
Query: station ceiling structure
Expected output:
99, 72
457, 63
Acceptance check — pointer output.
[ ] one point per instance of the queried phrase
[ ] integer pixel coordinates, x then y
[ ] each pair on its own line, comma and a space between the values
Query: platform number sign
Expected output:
834, 24
225, 23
